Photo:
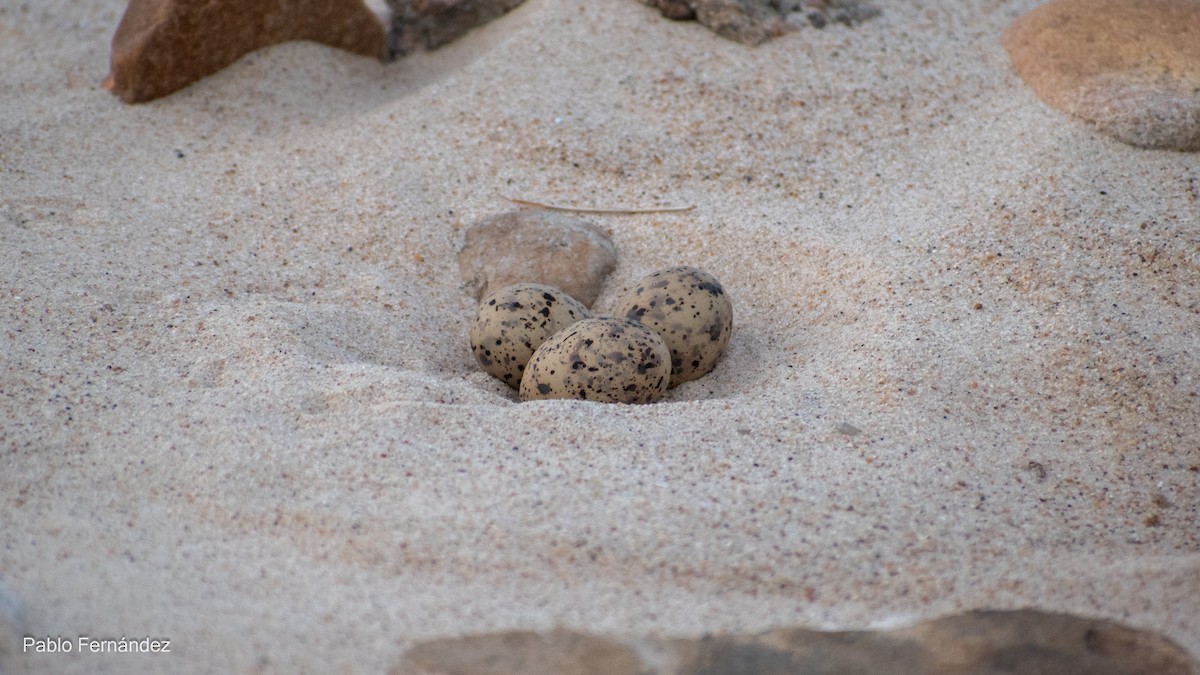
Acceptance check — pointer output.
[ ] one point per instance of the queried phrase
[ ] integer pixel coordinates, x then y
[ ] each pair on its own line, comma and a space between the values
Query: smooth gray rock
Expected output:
429, 24
540, 247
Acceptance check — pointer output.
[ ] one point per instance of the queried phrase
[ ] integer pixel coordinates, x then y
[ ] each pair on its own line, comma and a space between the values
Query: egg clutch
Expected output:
670, 328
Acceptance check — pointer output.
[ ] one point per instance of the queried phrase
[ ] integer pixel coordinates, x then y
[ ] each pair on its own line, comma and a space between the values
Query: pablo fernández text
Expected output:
85, 644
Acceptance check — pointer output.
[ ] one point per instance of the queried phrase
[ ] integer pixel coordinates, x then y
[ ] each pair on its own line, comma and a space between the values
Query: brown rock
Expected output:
1025, 642
1029, 642
541, 247
1130, 68
429, 24
162, 46
560, 652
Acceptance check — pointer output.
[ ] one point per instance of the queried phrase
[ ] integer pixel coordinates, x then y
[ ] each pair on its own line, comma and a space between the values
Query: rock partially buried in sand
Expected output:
755, 21
690, 309
1024, 642
514, 321
161, 46
429, 24
1131, 68
604, 359
541, 247
558, 652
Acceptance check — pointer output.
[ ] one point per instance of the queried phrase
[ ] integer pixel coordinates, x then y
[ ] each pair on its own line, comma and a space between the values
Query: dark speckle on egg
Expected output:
692, 312
514, 321
607, 359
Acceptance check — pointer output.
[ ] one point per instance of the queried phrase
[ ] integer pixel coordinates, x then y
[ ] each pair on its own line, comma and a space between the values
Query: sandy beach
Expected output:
239, 411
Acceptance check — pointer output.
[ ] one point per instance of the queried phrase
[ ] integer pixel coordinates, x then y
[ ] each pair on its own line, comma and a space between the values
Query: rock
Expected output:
559, 652
755, 21
428, 24
821, 13
1132, 69
679, 10
541, 247
746, 21
1029, 641
1024, 642
161, 46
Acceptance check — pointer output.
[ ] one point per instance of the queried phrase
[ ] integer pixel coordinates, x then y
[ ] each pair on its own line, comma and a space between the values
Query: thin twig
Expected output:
577, 209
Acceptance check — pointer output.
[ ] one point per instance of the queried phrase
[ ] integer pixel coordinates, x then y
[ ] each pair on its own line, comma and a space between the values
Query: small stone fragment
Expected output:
848, 429
429, 24
161, 46
540, 247
1132, 69
514, 321
756, 21
604, 359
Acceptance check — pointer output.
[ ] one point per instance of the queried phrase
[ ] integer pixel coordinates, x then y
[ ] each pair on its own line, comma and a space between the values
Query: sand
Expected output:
238, 408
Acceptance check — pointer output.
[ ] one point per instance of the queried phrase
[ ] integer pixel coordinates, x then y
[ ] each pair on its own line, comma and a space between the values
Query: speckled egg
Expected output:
690, 310
605, 359
514, 321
